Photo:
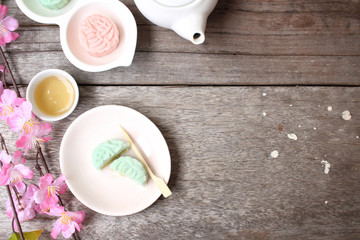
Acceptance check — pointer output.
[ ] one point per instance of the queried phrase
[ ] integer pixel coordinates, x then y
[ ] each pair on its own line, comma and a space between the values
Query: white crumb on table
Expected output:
264, 94
346, 115
299, 125
326, 202
314, 128
357, 136
327, 166
274, 154
292, 136
329, 108
290, 105
264, 114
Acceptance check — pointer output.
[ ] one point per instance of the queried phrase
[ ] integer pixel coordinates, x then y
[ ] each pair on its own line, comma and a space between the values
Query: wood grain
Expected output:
223, 107
153, 39
225, 184
249, 33
248, 43
202, 69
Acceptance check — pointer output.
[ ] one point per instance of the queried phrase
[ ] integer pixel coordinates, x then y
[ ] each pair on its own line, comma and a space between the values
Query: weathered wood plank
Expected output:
345, 6
259, 23
265, 33
225, 184
202, 69
264, 23
150, 38
279, 6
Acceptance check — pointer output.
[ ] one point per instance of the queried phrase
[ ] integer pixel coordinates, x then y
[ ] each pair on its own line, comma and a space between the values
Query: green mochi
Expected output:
131, 168
107, 151
54, 4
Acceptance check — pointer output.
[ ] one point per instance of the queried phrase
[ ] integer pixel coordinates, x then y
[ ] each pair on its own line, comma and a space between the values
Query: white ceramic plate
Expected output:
105, 191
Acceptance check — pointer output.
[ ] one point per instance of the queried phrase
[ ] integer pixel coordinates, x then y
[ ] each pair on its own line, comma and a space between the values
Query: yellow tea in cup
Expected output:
54, 95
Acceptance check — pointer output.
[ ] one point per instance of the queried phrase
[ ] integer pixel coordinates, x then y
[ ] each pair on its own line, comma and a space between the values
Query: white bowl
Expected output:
69, 19
37, 79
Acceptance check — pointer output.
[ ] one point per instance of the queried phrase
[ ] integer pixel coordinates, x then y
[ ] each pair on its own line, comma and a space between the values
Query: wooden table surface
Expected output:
267, 69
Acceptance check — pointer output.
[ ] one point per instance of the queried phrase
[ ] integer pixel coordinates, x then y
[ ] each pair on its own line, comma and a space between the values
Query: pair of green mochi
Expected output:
110, 152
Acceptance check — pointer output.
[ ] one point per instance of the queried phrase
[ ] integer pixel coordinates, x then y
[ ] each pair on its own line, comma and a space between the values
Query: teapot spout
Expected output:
191, 28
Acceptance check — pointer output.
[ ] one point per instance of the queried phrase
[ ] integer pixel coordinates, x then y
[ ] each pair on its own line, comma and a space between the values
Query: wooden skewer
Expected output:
160, 183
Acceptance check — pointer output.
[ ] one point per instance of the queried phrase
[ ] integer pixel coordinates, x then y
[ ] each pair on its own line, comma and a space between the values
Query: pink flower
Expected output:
23, 118
13, 171
24, 206
8, 101
55, 210
17, 158
5, 158
47, 195
67, 223
7, 25
37, 135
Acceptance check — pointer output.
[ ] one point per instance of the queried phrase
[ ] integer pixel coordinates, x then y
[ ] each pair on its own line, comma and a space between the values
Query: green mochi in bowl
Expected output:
131, 168
54, 4
107, 151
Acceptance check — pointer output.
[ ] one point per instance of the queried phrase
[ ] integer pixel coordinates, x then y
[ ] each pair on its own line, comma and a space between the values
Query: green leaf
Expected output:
34, 235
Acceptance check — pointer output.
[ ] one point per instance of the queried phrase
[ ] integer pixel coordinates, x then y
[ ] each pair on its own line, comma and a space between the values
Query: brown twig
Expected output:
18, 196
39, 151
12, 76
12, 224
3, 145
15, 213
4, 79
37, 165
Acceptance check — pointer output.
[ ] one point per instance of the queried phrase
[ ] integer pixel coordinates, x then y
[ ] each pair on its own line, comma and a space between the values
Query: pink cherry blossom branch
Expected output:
39, 152
25, 141
3, 145
15, 214
9, 70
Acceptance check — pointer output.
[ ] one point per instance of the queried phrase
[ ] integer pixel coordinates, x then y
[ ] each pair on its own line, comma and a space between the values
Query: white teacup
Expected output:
32, 94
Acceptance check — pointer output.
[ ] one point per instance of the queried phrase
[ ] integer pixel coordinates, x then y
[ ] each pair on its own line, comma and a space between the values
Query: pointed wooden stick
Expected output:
160, 183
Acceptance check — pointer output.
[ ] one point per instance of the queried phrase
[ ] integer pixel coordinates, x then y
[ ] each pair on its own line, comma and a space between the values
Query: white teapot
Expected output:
186, 17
